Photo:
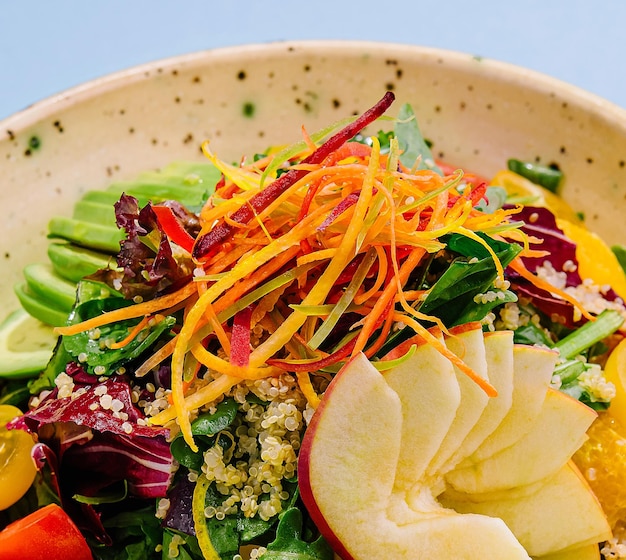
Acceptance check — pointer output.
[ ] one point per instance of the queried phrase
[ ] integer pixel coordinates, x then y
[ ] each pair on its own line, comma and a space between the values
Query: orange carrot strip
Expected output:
131, 335
431, 339
380, 278
130, 312
155, 359
518, 266
382, 337
409, 264
218, 329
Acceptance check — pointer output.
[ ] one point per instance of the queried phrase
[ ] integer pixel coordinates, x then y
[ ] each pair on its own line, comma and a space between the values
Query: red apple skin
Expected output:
304, 481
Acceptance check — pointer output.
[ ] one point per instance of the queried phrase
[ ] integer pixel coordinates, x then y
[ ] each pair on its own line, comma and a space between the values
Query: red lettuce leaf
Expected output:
147, 265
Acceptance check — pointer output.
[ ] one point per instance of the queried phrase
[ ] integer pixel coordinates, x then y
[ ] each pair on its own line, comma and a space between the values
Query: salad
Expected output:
205, 309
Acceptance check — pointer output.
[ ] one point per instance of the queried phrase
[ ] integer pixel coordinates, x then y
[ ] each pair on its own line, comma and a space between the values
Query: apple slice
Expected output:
430, 396
467, 342
347, 465
499, 356
533, 369
563, 513
545, 448
349, 453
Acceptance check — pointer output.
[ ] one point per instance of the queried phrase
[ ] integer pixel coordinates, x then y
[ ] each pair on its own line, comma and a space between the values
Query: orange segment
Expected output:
596, 261
615, 372
602, 461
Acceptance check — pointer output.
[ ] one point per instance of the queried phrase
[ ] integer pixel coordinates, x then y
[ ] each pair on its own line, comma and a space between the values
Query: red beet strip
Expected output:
264, 198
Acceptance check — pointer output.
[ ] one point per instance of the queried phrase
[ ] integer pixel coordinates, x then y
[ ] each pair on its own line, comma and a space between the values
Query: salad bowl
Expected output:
230, 105
477, 113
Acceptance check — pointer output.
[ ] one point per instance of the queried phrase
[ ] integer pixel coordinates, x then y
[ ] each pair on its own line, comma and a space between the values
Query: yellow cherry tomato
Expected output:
615, 372
17, 470
596, 261
523, 191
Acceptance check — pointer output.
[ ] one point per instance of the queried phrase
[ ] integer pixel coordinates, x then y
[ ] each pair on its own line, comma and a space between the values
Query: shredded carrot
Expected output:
131, 335
304, 382
518, 266
440, 346
414, 258
130, 312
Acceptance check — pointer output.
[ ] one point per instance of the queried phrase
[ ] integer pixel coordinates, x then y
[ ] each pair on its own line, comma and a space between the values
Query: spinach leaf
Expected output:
289, 545
89, 348
451, 299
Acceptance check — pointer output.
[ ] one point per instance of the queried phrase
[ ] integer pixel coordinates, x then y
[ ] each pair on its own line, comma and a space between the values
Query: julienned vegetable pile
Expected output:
171, 420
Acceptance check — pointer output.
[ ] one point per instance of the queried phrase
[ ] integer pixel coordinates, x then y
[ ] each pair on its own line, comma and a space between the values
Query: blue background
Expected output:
47, 46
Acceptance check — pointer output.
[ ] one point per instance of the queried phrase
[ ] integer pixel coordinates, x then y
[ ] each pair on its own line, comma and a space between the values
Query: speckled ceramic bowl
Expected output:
477, 112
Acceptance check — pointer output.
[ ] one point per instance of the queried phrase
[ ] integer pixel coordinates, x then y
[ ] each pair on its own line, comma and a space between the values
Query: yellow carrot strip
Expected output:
518, 266
440, 346
496, 261
202, 396
131, 335
130, 312
215, 363
321, 255
304, 382
317, 294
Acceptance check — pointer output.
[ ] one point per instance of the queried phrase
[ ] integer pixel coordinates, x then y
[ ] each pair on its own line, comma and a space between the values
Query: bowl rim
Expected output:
496, 69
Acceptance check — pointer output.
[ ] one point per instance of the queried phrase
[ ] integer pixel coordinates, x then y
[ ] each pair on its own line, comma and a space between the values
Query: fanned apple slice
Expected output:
347, 467
349, 453
467, 342
499, 356
549, 444
430, 396
563, 513
533, 369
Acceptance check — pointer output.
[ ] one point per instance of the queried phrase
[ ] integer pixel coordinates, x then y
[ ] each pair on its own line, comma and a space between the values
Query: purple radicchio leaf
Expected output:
540, 223
103, 446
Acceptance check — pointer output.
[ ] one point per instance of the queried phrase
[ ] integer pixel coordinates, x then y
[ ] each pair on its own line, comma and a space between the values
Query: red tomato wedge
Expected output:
46, 534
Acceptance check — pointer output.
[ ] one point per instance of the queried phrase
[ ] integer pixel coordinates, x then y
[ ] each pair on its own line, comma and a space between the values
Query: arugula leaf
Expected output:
411, 141
289, 545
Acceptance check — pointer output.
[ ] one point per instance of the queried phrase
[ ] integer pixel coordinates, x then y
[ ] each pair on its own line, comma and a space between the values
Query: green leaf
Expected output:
288, 544
411, 141
211, 423
451, 299
542, 175
531, 334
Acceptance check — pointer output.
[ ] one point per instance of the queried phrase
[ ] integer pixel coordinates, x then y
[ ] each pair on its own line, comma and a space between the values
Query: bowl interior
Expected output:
478, 113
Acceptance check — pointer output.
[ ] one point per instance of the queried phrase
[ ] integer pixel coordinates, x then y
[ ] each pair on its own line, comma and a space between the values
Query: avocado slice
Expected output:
38, 308
74, 263
44, 283
26, 345
86, 234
